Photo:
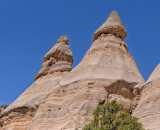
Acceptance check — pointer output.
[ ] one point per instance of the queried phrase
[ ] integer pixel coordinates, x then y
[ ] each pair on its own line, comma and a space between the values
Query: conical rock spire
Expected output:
106, 72
113, 25
56, 65
66, 100
59, 58
155, 74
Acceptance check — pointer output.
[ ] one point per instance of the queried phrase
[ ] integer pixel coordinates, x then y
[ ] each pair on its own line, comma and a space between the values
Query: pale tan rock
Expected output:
113, 25
148, 109
69, 106
62, 100
20, 113
58, 59
107, 72
107, 58
63, 38
155, 74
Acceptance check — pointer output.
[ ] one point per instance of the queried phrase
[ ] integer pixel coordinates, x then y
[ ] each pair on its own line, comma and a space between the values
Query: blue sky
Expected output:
29, 28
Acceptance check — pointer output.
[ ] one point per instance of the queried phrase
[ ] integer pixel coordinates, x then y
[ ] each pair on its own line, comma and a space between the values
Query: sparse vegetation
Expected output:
3, 106
110, 116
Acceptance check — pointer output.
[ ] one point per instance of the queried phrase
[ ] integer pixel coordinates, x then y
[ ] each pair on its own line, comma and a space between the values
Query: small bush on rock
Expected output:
110, 117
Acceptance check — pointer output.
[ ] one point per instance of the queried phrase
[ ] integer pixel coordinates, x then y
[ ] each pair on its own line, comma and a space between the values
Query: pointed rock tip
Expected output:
113, 25
155, 74
63, 38
58, 59
113, 14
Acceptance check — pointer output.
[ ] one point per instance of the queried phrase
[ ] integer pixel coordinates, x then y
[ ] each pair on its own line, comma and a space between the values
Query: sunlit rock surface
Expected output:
61, 99
148, 109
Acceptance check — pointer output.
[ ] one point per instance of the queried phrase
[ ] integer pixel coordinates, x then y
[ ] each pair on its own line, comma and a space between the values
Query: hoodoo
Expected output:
108, 56
106, 72
58, 59
56, 65
60, 99
113, 25
148, 109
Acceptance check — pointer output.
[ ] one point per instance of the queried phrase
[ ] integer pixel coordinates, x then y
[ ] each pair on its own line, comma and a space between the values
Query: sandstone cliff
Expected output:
63, 99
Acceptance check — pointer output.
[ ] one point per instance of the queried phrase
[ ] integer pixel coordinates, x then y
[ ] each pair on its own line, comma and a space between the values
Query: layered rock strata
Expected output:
58, 59
148, 109
56, 65
106, 72
113, 25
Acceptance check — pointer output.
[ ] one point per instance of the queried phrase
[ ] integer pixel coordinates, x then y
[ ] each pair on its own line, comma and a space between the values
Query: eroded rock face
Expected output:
62, 100
21, 112
113, 25
106, 72
59, 58
70, 106
148, 109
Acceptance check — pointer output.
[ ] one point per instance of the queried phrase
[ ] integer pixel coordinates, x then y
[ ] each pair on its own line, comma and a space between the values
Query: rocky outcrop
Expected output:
113, 25
59, 58
21, 112
106, 72
63, 100
148, 109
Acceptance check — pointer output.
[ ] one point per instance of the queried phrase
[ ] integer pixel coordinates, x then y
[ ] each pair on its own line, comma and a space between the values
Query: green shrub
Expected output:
110, 117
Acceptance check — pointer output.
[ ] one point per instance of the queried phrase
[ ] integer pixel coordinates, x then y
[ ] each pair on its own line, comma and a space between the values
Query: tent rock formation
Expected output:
59, 58
61, 98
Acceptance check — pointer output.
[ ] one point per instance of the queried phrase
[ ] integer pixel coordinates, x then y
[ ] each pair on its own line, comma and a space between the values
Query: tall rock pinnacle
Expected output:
56, 65
59, 58
108, 55
113, 25
60, 99
106, 72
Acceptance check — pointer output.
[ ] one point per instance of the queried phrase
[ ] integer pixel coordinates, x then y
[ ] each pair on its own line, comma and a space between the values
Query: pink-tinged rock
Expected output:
58, 59
63, 100
21, 112
107, 72
113, 25
148, 109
